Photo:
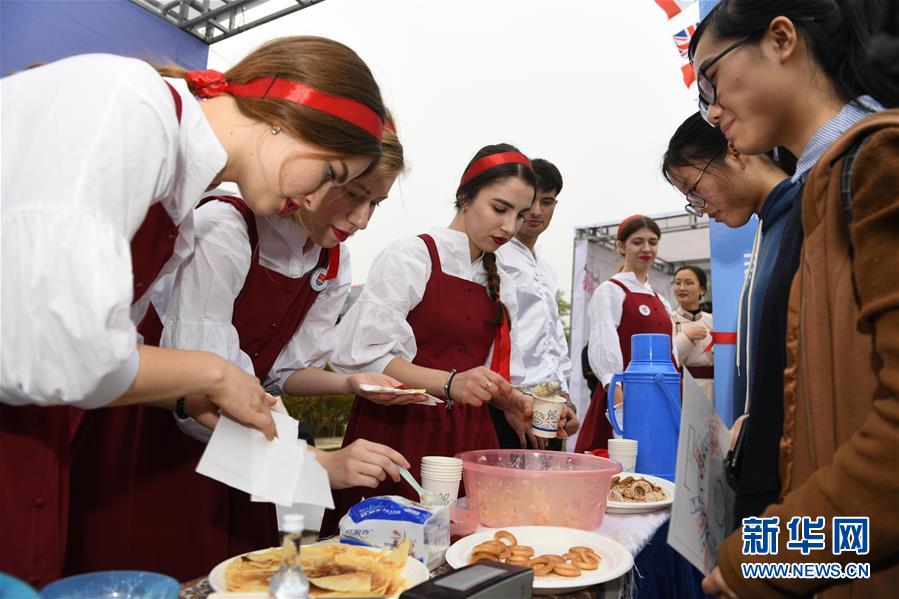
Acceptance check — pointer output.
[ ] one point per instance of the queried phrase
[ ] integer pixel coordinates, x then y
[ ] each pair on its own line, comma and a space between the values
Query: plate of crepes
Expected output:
634, 493
334, 570
564, 560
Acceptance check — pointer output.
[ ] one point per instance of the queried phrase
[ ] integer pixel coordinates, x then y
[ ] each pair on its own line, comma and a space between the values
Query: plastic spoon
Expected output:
426, 497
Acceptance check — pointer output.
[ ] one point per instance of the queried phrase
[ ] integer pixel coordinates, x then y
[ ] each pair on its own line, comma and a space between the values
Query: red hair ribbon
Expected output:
389, 126
209, 84
625, 221
491, 161
502, 350
721, 338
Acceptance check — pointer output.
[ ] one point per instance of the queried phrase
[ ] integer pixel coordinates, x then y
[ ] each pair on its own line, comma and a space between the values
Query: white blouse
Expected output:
604, 314
198, 312
89, 143
540, 334
375, 330
691, 352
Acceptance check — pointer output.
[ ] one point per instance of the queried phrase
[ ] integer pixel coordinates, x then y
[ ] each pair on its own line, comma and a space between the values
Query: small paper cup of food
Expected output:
547, 411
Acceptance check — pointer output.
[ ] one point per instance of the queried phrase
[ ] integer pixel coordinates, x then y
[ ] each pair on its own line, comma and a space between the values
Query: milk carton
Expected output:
386, 521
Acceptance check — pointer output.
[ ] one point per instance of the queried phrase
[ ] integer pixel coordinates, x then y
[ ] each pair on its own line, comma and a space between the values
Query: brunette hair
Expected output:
696, 144
634, 223
321, 63
837, 33
468, 191
548, 176
700, 276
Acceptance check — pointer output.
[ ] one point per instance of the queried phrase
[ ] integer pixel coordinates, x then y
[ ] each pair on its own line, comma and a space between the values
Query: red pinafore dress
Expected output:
38, 444
147, 508
641, 313
451, 332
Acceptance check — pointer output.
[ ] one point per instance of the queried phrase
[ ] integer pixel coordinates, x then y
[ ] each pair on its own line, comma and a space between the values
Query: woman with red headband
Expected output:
621, 307
103, 163
435, 312
263, 292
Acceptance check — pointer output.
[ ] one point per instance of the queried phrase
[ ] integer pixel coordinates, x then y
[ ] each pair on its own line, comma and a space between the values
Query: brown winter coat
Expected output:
840, 446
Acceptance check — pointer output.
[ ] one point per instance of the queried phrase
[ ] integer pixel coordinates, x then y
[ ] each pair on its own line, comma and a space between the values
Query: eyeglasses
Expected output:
708, 94
695, 202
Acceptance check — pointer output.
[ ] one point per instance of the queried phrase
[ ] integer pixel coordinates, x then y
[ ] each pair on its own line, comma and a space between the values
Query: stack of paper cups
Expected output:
442, 475
624, 451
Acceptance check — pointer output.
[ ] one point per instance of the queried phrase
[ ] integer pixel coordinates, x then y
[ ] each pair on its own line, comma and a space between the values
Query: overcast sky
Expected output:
593, 86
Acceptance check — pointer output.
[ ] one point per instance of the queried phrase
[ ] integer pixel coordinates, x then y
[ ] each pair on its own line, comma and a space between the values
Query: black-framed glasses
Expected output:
695, 201
708, 94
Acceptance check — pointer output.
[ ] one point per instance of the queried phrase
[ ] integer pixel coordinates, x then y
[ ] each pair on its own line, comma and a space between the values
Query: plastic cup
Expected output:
624, 451
547, 411
446, 489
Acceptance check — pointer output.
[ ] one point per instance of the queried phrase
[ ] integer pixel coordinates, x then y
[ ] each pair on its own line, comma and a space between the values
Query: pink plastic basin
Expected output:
513, 487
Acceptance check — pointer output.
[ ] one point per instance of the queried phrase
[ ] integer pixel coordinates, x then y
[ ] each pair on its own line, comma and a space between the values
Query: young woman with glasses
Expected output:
621, 307
731, 187
795, 73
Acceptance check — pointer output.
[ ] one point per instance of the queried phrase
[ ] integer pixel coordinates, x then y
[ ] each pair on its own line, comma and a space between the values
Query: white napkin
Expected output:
313, 486
241, 457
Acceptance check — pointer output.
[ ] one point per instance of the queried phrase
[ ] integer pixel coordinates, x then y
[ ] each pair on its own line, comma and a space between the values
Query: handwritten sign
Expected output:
702, 514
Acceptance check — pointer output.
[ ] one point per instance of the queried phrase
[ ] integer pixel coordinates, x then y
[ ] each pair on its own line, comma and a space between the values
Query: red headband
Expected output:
482, 164
625, 221
209, 84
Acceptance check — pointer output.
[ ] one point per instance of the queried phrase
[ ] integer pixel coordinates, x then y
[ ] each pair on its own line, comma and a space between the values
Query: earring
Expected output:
276, 129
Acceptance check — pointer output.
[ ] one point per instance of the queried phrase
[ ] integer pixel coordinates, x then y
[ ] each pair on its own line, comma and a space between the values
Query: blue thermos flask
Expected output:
651, 404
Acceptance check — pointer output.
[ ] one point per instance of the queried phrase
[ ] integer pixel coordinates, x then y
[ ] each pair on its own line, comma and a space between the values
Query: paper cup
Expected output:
439, 462
441, 475
446, 490
624, 451
547, 411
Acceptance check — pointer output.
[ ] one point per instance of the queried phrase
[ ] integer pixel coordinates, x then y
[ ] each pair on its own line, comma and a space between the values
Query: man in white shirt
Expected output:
541, 337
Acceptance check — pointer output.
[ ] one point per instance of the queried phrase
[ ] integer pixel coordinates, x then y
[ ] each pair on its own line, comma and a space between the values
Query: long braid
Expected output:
493, 289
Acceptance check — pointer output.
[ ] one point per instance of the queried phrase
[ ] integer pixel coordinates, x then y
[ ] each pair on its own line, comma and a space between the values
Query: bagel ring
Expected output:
481, 556
517, 560
492, 547
522, 550
565, 569
541, 567
583, 564
505, 552
553, 558
505, 534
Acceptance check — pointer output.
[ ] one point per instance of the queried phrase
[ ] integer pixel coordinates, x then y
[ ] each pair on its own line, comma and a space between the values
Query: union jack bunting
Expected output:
682, 39
674, 7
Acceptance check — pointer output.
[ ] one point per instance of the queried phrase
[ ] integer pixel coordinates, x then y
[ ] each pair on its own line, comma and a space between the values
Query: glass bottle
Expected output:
289, 582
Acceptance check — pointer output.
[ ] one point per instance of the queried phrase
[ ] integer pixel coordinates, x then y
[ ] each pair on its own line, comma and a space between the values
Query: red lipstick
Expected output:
498, 240
340, 235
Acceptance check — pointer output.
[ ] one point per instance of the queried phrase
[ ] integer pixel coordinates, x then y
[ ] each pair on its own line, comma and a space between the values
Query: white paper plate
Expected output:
620, 507
616, 559
432, 401
415, 572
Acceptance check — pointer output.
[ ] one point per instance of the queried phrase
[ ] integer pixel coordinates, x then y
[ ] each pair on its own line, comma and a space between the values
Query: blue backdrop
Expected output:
45, 30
